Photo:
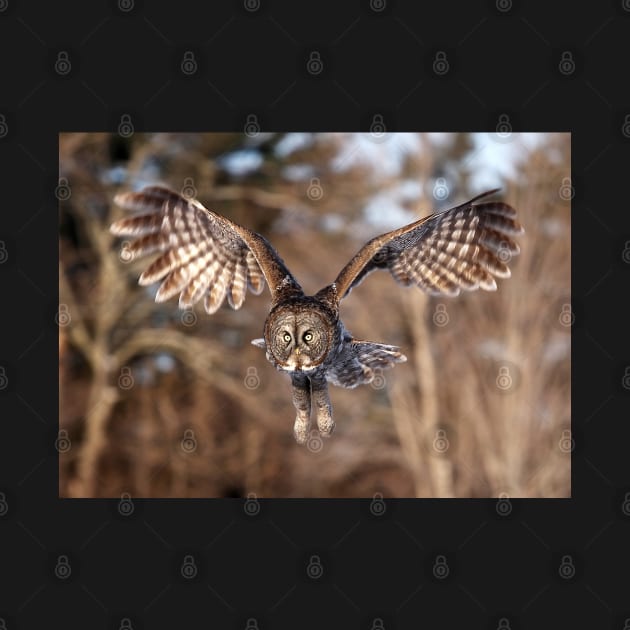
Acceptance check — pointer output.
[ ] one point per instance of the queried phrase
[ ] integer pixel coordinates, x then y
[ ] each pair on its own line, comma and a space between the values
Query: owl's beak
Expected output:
297, 351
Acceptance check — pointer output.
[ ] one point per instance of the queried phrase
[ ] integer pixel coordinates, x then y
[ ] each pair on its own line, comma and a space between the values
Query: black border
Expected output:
504, 58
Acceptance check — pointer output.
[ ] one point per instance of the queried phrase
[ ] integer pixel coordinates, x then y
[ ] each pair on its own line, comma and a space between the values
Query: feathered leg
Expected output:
302, 403
323, 407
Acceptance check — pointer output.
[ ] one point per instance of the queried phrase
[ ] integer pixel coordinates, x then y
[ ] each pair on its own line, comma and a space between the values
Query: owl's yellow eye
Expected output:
286, 337
308, 337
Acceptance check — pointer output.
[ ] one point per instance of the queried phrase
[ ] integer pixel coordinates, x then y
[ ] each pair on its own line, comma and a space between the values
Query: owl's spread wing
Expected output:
202, 254
462, 248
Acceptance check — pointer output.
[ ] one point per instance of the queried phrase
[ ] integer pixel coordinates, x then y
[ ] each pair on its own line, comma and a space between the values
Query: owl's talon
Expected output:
326, 426
300, 430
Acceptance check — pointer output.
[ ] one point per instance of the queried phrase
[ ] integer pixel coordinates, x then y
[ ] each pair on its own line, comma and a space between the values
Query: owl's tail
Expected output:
361, 362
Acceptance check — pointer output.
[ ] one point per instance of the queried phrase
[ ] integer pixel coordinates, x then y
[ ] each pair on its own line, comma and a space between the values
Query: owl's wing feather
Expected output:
359, 362
465, 247
202, 254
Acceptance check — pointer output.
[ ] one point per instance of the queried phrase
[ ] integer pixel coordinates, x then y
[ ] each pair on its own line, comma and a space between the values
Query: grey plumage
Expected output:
203, 255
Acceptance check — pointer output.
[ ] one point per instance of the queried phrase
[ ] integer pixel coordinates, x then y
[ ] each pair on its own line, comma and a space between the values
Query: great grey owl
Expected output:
204, 255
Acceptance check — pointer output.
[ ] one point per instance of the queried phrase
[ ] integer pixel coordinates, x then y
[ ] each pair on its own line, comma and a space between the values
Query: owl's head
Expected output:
299, 334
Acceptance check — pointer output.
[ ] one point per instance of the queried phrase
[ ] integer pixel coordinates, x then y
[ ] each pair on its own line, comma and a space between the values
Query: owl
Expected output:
203, 255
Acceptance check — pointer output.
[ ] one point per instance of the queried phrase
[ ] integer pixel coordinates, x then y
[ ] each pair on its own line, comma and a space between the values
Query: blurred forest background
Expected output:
156, 402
